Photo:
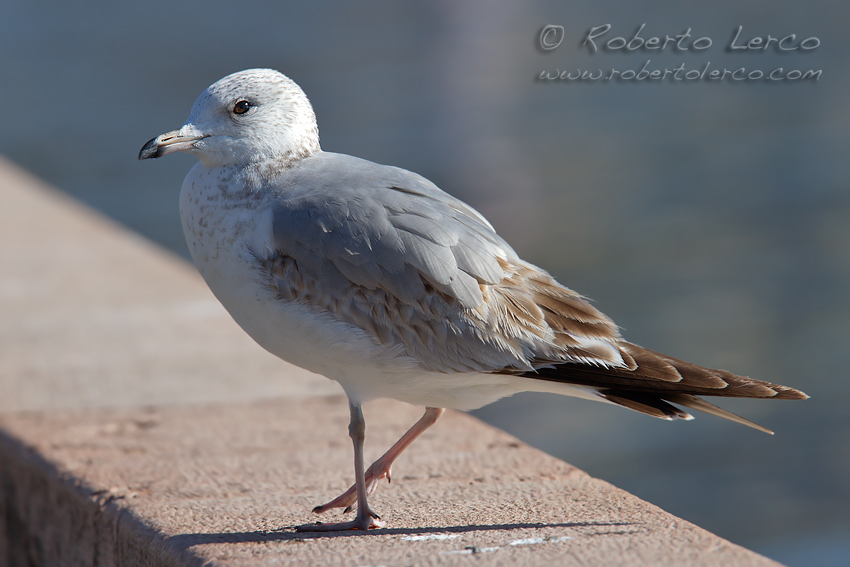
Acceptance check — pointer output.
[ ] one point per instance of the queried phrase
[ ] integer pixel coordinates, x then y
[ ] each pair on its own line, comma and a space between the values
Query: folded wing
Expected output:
387, 251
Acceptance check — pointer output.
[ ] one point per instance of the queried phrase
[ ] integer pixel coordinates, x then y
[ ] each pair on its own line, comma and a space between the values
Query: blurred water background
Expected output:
709, 219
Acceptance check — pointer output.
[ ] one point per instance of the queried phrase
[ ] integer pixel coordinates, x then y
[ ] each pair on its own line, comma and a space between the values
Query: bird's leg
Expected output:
365, 517
381, 468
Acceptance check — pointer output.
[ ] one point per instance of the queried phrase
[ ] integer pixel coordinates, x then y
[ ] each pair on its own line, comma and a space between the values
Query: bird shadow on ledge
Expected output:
185, 541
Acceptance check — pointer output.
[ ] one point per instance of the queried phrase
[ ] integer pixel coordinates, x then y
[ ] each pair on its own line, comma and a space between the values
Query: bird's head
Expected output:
252, 116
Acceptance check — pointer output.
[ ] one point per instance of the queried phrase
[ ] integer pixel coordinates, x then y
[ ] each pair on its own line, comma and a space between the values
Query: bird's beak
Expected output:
169, 143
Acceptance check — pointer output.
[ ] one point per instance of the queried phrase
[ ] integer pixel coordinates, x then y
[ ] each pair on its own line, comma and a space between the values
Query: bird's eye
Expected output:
242, 107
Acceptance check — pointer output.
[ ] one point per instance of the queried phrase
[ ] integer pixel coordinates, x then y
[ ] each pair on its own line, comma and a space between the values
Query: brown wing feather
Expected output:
647, 381
620, 372
653, 376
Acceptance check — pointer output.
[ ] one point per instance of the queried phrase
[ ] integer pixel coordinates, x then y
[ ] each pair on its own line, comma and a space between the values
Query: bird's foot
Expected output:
347, 499
364, 522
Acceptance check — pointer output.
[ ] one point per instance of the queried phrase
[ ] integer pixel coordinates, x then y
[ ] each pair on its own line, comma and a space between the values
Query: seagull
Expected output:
374, 277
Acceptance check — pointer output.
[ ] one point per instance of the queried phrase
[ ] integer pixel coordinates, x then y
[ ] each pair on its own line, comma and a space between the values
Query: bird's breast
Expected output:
228, 236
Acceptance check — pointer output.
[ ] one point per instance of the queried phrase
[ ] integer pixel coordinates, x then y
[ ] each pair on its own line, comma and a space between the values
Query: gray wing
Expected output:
386, 250
384, 227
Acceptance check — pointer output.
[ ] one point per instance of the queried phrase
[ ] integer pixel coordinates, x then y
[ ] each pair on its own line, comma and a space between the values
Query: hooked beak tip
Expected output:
150, 150
168, 143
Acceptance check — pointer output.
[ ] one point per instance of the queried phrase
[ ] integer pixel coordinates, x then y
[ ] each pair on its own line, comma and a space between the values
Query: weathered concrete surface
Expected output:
227, 483
139, 426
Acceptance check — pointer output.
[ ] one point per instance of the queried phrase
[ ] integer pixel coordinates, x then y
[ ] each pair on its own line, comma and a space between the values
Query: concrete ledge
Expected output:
49, 517
225, 484
139, 426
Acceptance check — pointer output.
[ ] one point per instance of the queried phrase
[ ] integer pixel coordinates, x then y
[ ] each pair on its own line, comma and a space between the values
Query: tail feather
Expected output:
650, 382
644, 403
660, 374
695, 403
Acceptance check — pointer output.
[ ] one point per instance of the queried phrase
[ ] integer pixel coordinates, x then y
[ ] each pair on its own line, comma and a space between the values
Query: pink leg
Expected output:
365, 518
381, 468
